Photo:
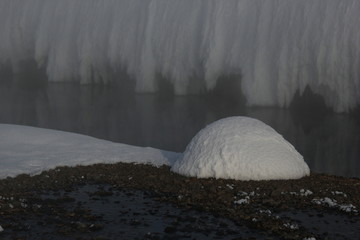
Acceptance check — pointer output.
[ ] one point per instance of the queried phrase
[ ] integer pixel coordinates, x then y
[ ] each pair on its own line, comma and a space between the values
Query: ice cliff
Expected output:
276, 47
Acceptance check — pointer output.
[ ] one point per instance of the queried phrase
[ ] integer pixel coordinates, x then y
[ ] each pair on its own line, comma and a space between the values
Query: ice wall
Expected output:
278, 46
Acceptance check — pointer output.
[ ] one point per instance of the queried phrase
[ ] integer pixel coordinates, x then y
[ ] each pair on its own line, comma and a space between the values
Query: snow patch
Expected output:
245, 197
339, 193
305, 193
230, 186
266, 212
243, 200
240, 148
333, 204
348, 208
32, 150
291, 226
302, 192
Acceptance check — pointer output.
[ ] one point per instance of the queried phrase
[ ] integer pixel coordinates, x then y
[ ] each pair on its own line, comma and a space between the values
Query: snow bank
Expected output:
241, 148
237, 147
32, 150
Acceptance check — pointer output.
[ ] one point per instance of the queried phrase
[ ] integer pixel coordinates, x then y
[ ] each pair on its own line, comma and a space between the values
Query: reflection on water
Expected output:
330, 143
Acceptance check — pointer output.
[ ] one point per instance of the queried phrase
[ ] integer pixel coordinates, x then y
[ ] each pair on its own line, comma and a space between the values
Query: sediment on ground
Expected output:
252, 203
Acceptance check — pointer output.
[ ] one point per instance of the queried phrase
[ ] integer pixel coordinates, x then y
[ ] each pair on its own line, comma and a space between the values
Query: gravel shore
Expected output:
311, 207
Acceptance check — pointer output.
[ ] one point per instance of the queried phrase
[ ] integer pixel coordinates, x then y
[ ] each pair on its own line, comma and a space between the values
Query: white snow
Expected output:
32, 150
240, 148
291, 226
332, 203
277, 46
230, 186
339, 193
237, 147
348, 208
242, 201
267, 212
303, 193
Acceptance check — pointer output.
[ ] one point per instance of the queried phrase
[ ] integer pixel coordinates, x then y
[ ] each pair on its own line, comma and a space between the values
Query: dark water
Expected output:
329, 142
327, 224
129, 214
122, 214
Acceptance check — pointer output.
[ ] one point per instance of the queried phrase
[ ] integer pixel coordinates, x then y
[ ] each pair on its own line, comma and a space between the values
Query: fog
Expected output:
276, 48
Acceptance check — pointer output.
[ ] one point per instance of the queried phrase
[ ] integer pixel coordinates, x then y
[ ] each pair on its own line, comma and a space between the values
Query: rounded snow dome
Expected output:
240, 148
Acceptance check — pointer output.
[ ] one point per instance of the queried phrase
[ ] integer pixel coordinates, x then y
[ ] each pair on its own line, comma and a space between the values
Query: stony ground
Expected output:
256, 204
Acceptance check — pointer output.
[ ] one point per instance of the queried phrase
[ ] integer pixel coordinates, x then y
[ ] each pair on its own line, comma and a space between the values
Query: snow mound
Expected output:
241, 148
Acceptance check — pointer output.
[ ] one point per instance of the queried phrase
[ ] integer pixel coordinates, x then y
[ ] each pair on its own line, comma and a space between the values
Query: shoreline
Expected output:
256, 204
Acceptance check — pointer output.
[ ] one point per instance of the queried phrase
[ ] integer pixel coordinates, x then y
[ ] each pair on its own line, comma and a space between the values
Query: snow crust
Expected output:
278, 46
32, 150
241, 148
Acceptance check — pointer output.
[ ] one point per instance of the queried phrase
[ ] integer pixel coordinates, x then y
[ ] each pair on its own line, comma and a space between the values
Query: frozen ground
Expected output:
285, 209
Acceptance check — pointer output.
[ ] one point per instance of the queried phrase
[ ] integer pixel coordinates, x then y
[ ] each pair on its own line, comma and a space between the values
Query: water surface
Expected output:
329, 142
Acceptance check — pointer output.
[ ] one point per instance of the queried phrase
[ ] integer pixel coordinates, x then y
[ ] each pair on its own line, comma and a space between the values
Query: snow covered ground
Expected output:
237, 147
32, 150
